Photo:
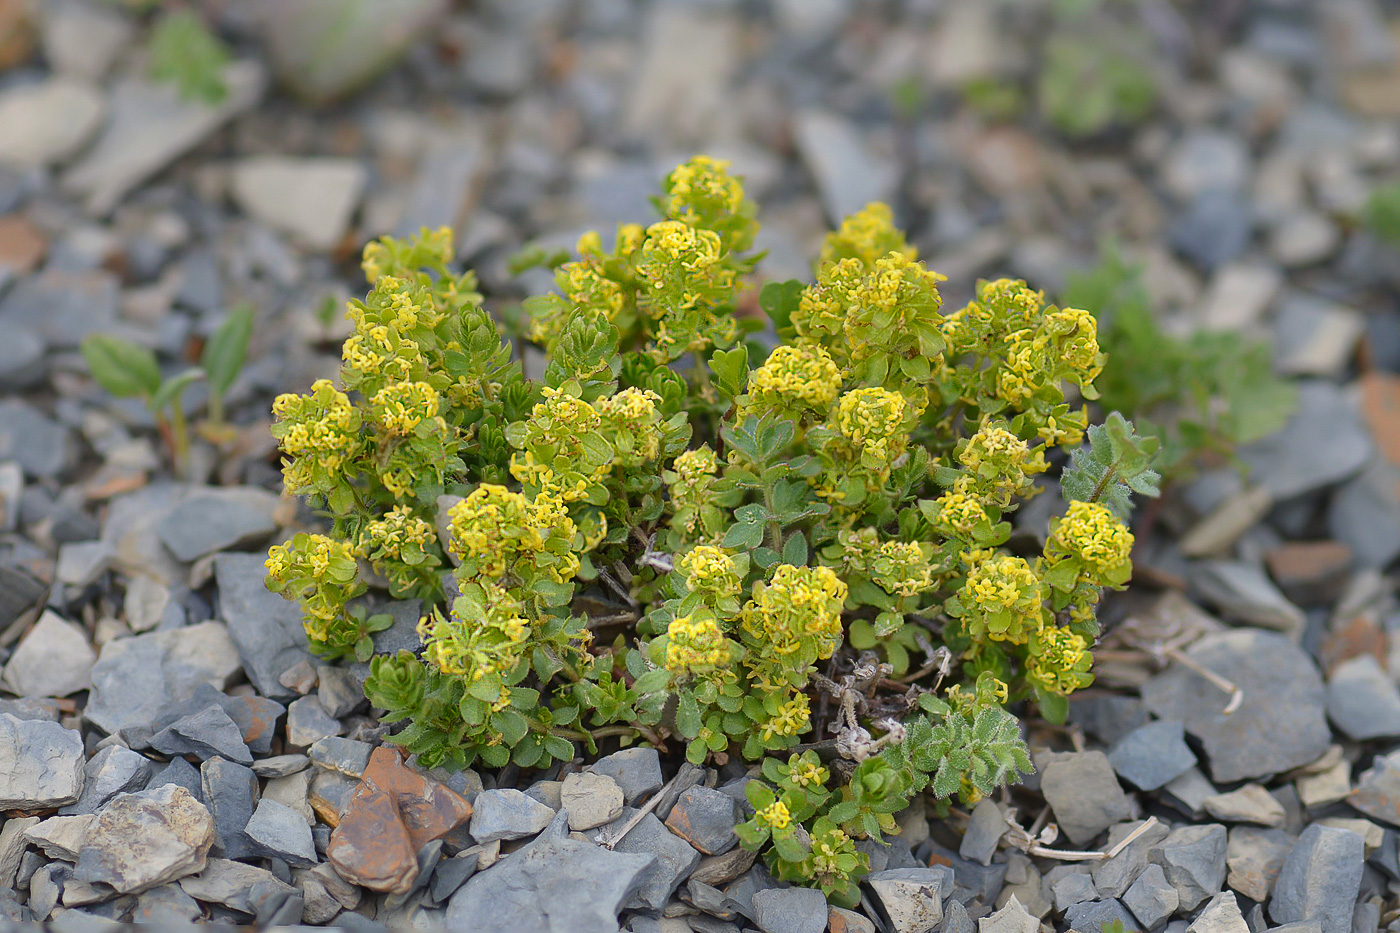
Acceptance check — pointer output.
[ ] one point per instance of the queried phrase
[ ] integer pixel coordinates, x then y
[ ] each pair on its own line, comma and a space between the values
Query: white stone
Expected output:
48, 122
53, 660
310, 199
83, 39
1238, 296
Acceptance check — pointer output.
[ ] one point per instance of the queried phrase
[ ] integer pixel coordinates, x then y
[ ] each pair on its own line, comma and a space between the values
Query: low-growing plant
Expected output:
129, 370
185, 53
1094, 74
1382, 212
1203, 394
679, 537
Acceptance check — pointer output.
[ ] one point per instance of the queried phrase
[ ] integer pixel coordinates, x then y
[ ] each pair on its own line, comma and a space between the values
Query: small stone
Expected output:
554, 885
83, 563
1113, 877
345, 756
675, 862
135, 677
293, 791
1249, 804
1322, 444
1244, 591
450, 874
1238, 296
308, 723
1094, 915
53, 660
841, 920
507, 814
1329, 785
705, 818
1221, 915
280, 766
340, 689
166, 904
83, 40
984, 831
43, 764
848, 175
1011, 917
48, 122
205, 734
636, 770
1315, 337
230, 791
1320, 879
62, 307
1253, 859
219, 520
145, 603
1084, 795
590, 800
61, 837
113, 770
142, 840
1310, 572
1206, 161
1278, 726
279, 831
1362, 700
719, 870
310, 199
240, 887
43, 447
1151, 897
300, 678
179, 772
1074, 887
1304, 238
797, 910
330, 795
912, 897
266, 628
1107, 716
1152, 755
1193, 858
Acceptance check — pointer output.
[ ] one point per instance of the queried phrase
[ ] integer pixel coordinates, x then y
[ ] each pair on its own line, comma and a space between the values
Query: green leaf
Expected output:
559, 747
795, 550
778, 300
364, 649
511, 725
731, 370
687, 716
652, 681
185, 53
170, 390
743, 536
121, 367
227, 349
1053, 707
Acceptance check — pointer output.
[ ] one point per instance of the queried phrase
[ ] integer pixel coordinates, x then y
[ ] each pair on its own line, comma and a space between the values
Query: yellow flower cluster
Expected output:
1002, 596
670, 243
695, 643
402, 406
999, 465
1078, 335
800, 606
709, 570
900, 568
794, 380
1090, 532
873, 420
792, 718
321, 572
775, 815
827, 849
388, 536
502, 533
479, 637
865, 236
379, 351
1059, 660
694, 472
960, 511
809, 774
630, 418
319, 432
702, 188
820, 316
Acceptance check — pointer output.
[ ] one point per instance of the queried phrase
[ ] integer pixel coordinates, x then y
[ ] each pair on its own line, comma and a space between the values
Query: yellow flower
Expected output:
402, 406
795, 377
1059, 660
1090, 532
865, 236
775, 815
792, 718
872, 419
695, 643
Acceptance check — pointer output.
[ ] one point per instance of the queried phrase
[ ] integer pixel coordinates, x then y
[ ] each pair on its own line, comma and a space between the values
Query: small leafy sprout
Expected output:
224, 355
128, 370
684, 537
186, 54
1382, 212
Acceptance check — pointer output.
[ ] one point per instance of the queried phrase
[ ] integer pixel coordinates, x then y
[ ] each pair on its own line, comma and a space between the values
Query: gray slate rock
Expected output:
1152, 755
1320, 879
590, 800
63, 307
48, 121
1324, 443
1074, 887
1278, 726
1193, 859
847, 173
1245, 592
113, 770
705, 818
230, 791
1084, 795
1092, 915
43, 764
1253, 859
265, 627
1377, 793
1221, 915
984, 831
44, 448
790, 910
506, 814
1362, 700
1365, 514
1011, 917
134, 678
54, 659
218, 520
912, 898
1151, 897
1113, 877
675, 859
181, 773
281, 832
450, 874
142, 840
204, 734
552, 885
636, 770
308, 722
346, 756
247, 889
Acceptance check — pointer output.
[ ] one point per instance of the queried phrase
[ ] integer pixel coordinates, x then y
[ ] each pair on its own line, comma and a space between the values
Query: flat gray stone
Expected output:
912, 897
219, 520
790, 910
636, 770
43, 447
1362, 700
346, 756
1244, 591
984, 831
1193, 859
1324, 443
1278, 726
113, 770
43, 764
204, 734
1152, 755
848, 175
590, 800
142, 840
61, 837
47, 122
1084, 795
705, 818
54, 659
675, 859
1221, 915
1092, 915
1151, 897
231, 792
135, 677
1320, 879
1113, 877
266, 628
308, 723
240, 887
309, 199
281, 832
1253, 859
552, 885
507, 814
1073, 887
1248, 804
1011, 917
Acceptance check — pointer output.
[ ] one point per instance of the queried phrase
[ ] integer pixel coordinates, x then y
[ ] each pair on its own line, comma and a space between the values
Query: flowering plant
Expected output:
803, 562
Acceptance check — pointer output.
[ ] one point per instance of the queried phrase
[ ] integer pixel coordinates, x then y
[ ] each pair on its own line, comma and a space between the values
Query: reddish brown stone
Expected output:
429, 809
1310, 572
21, 244
1380, 406
16, 32
1359, 636
371, 846
256, 718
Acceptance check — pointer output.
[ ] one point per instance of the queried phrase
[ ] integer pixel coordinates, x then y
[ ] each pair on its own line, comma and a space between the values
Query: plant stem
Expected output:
775, 527
180, 431
216, 409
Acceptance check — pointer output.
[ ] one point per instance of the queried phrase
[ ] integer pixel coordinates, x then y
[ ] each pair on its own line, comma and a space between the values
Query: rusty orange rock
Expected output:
429, 809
